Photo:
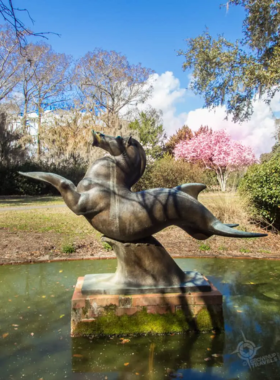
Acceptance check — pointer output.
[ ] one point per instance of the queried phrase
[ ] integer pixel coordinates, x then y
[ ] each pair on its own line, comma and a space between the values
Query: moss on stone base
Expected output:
209, 319
143, 323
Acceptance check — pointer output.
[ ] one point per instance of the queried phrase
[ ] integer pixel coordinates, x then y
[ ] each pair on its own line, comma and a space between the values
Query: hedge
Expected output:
261, 184
12, 183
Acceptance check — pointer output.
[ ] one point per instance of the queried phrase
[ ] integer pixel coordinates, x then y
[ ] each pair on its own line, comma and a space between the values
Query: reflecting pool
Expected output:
35, 328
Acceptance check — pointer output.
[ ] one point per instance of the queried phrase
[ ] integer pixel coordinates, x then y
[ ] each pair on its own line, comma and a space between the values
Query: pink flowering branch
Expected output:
218, 152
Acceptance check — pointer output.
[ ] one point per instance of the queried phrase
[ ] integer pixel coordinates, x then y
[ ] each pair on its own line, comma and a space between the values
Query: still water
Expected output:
35, 327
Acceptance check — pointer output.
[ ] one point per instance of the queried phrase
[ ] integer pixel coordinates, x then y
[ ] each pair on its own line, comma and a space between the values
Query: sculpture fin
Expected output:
231, 225
66, 188
54, 179
221, 229
192, 189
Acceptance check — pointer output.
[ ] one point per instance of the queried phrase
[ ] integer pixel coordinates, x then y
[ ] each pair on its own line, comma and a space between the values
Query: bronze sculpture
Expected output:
105, 199
128, 219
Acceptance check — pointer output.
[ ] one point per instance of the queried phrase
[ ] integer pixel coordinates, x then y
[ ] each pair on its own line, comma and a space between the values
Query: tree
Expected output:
276, 147
11, 148
45, 81
261, 185
218, 152
67, 135
109, 84
28, 86
234, 74
150, 132
183, 134
9, 14
10, 62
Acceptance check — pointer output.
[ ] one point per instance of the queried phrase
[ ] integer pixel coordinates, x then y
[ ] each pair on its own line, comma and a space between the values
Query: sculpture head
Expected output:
113, 145
129, 153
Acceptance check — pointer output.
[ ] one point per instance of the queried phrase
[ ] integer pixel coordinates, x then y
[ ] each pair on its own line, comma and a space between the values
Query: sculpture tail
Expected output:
218, 228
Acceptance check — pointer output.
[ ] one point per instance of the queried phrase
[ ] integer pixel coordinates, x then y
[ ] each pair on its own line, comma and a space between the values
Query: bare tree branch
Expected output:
9, 14
110, 83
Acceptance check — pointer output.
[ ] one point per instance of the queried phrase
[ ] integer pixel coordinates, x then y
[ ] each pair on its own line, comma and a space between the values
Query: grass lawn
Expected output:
62, 221
29, 201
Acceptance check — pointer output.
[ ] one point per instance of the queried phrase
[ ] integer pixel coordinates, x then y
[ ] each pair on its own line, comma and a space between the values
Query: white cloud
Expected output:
258, 132
166, 94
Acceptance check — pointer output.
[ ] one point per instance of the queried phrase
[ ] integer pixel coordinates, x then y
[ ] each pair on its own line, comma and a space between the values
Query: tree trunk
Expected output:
222, 179
39, 130
24, 119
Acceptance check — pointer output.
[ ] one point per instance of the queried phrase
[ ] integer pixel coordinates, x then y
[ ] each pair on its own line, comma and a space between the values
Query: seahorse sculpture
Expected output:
105, 199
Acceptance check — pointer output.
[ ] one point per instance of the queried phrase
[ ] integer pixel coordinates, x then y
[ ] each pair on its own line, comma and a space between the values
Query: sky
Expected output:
151, 32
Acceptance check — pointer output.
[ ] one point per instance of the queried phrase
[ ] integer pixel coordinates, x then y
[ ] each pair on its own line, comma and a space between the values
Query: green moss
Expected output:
142, 322
244, 250
204, 247
209, 319
86, 308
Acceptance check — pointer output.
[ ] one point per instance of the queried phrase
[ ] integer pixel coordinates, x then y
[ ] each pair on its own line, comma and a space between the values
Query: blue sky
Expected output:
150, 32
146, 31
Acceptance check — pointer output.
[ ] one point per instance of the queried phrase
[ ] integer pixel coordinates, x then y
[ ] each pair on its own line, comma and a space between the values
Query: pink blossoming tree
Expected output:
218, 152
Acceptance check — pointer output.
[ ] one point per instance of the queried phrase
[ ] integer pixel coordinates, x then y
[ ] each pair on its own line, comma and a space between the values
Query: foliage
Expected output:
276, 147
150, 132
67, 135
261, 185
217, 152
13, 183
10, 14
10, 61
168, 172
235, 73
106, 246
68, 248
11, 149
46, 81
204, 247
184, 134
109, 83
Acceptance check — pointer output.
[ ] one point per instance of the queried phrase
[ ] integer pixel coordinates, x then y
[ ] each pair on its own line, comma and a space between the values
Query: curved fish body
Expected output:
132, 216
104, 198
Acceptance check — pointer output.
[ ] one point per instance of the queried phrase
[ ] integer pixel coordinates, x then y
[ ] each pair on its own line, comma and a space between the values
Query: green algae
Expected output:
143, 322
209, 318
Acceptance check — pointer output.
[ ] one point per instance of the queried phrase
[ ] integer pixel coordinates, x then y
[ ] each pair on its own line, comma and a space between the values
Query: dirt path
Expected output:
23, 247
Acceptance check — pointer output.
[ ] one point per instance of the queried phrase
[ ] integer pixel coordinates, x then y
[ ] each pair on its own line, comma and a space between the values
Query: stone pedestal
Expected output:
105, 314
148, 294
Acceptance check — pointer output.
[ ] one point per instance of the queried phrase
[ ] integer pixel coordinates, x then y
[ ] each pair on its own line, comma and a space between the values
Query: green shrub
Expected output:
12, 183
167, 172
261, 184
107, 246
68, 248
204, 247
244, 250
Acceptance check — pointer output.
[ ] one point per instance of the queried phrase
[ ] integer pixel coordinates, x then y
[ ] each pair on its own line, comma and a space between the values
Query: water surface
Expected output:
35, 338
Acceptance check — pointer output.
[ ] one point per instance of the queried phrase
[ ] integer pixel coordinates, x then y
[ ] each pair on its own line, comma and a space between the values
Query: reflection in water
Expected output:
35, 327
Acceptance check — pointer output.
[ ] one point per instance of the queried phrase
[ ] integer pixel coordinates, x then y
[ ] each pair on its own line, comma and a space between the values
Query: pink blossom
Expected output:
218, 152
